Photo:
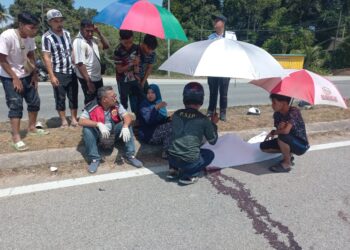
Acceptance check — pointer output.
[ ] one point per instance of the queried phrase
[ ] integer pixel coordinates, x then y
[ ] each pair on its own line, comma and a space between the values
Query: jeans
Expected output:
88, 97
92, 136
14, 100
191, 169
68, 86
217, 84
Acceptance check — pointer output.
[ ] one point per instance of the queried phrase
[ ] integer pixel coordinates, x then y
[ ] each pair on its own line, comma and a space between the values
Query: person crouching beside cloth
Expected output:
189, 128
99, 118
290, 131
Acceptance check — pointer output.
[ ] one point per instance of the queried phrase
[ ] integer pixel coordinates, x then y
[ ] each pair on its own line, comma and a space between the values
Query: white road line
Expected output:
80, 181
7, 192
330, 145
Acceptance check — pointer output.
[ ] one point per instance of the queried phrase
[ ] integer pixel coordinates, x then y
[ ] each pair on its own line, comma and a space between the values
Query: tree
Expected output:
196, 16
4, 16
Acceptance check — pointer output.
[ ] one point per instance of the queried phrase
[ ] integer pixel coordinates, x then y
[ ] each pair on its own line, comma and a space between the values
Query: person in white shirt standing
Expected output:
57, 54
19, 76
87, 59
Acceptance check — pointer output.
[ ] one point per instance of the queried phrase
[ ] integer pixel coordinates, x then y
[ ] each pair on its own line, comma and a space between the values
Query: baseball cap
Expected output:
220, 18
53, 14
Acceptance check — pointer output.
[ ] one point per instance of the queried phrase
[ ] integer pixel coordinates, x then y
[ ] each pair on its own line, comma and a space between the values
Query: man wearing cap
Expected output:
19, 77
87, 58
217, 84
57, 54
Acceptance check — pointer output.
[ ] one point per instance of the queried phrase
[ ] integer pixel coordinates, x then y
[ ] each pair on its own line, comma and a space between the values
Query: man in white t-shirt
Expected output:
87, 59
104, 116
19, 76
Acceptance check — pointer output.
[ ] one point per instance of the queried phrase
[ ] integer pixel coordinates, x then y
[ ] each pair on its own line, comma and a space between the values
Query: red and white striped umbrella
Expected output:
304, 85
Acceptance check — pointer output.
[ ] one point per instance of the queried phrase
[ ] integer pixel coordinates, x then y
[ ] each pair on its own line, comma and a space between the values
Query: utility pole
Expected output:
42, 17
168, 39
337, 33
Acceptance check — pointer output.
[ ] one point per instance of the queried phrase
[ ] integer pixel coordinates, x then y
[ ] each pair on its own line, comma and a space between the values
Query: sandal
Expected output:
39, 132
74, 124
291, 161
19, 146
279, 168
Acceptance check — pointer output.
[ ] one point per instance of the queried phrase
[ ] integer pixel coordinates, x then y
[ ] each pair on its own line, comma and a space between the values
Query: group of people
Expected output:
181, 134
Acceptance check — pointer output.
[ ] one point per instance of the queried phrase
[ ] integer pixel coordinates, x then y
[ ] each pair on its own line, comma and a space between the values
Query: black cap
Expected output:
193, 93
220, 18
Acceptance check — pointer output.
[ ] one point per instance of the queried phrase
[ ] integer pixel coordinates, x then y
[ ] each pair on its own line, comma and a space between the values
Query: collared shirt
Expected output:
15, 55
215, 36
125, 57
145, 60
60, 48
87, 53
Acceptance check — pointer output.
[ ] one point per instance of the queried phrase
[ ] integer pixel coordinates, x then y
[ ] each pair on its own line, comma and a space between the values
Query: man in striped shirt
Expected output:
57, 54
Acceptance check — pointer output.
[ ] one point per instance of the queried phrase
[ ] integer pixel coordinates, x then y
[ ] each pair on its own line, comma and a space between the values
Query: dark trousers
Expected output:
217, 84
297, 146
68, 85
88, 97
133, 91
191, 169
14, 100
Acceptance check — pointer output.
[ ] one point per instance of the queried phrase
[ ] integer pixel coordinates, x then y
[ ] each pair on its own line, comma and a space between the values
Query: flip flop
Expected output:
279, 168
291, 161
39, 132
19, 146
74, 124
39, 125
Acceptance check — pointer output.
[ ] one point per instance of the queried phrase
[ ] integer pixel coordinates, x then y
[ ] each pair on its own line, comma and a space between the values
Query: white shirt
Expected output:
89, 56
16, 57
215, 36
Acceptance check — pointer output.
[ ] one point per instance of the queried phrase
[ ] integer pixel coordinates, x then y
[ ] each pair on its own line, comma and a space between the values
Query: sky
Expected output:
95, 4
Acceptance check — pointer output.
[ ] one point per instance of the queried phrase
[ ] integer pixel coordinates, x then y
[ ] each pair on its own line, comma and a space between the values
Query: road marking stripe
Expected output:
330, 145
80, 181
117, 176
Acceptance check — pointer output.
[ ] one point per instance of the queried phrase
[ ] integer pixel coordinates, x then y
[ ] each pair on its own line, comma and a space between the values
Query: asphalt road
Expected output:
240, 93
240, 208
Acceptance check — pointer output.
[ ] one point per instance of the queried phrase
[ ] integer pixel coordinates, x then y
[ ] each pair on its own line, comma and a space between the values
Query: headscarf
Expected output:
156, 90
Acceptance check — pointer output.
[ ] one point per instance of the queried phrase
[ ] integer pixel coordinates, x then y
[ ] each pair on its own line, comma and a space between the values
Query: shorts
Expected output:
68, 86
14, 100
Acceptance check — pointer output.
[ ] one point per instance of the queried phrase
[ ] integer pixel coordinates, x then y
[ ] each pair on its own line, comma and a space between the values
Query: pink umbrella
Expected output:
303, 85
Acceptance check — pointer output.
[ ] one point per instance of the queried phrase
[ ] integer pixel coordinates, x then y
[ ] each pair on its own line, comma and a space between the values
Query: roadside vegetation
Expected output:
319, 29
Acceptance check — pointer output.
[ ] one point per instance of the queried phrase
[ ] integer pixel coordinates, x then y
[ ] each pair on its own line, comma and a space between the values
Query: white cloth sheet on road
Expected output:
230, 151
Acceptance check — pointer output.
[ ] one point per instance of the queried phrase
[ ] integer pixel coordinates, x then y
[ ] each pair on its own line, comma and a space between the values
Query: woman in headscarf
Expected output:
155, 127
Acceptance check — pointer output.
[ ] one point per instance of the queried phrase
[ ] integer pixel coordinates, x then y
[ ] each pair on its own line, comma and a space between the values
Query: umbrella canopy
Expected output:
223, 58
304, 85
142, 16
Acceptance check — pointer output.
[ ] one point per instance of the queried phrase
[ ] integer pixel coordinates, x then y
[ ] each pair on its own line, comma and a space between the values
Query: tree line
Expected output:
319, 29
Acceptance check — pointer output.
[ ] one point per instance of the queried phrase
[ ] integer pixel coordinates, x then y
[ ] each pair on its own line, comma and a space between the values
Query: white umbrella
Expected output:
223, 58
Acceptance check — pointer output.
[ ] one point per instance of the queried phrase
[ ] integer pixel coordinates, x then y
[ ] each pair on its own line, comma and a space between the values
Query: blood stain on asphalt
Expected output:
343, 216
262, 222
